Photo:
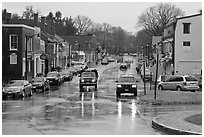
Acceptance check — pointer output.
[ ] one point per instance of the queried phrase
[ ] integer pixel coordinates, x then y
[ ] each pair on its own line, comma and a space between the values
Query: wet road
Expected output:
64, 110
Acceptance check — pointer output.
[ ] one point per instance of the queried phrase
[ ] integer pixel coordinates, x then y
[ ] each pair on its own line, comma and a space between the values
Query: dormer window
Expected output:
13, 42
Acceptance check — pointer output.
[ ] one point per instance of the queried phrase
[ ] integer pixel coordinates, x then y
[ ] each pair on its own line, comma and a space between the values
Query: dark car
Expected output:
67, 75
40, 75
22, 88
40, 83
126, 84
104, 61
123, 67
88, 77
53, 77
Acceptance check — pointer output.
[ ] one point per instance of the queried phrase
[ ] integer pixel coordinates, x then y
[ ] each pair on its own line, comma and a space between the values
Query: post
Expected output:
144, 69
155, 86
144, 63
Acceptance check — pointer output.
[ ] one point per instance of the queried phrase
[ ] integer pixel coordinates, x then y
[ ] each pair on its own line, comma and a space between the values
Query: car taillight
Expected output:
185, 83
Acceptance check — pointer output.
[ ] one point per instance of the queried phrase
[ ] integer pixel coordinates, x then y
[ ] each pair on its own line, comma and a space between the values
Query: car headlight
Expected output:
93, 80
17, 90
82, 80
134, 86
119, 86
56, 78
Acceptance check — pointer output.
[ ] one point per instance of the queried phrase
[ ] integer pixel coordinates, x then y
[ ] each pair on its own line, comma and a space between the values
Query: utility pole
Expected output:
155, 86
144, 69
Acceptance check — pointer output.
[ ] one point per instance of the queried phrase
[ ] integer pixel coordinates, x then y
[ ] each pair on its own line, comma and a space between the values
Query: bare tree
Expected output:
28, 13
83, 24
156, 17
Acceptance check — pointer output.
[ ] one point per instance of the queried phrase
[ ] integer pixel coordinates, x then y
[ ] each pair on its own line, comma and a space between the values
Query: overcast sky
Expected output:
123, 14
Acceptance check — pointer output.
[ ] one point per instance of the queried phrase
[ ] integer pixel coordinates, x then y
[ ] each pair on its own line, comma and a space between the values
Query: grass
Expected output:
171, 97
195, 119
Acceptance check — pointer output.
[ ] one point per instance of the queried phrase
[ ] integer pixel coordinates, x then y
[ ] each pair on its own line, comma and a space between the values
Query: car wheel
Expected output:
160, 87
117, 94
81, 88
31, 93
13, 96
23, 94
48, 87
95, 87
179, 88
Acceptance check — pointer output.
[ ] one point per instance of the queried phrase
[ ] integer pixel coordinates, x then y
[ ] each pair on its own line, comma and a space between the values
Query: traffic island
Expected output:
170, 98
176, 123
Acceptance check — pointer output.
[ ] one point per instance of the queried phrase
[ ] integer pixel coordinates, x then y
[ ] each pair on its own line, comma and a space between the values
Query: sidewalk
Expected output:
175, 123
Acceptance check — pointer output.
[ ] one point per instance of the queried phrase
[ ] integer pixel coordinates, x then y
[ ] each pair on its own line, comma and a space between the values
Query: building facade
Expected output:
182, 46
17, 52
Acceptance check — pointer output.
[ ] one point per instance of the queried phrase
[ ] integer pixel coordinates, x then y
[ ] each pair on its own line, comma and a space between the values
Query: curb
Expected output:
170, 130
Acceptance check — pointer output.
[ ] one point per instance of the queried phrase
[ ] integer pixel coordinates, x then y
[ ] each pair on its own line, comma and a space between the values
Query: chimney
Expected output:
36, 19
43, 23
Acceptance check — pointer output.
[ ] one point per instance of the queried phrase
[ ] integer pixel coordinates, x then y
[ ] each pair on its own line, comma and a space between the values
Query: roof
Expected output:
184, 17
18, 25
189, 16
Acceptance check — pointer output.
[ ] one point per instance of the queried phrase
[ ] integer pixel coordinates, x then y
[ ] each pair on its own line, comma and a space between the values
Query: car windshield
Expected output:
16, 83
126, 79
38, 79
52, 74
88, 74
191, 79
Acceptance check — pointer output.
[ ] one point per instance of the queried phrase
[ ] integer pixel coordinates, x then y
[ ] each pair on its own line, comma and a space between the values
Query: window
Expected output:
186, 43
13, 42
179, 79
172, 79
186, 28
29, 42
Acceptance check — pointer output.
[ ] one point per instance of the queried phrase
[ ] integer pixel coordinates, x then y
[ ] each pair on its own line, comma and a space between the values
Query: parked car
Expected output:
22, 88
179, 83
68, 75
110, 59
126, 83
73, 70
88, 77
53, 77
40, 75
123, 67
120, 60
148, 75
40, 83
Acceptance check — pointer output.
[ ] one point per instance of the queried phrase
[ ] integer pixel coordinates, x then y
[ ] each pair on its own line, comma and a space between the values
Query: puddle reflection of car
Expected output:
40, 83
179, 83
126, 83
88, 77
15, 88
